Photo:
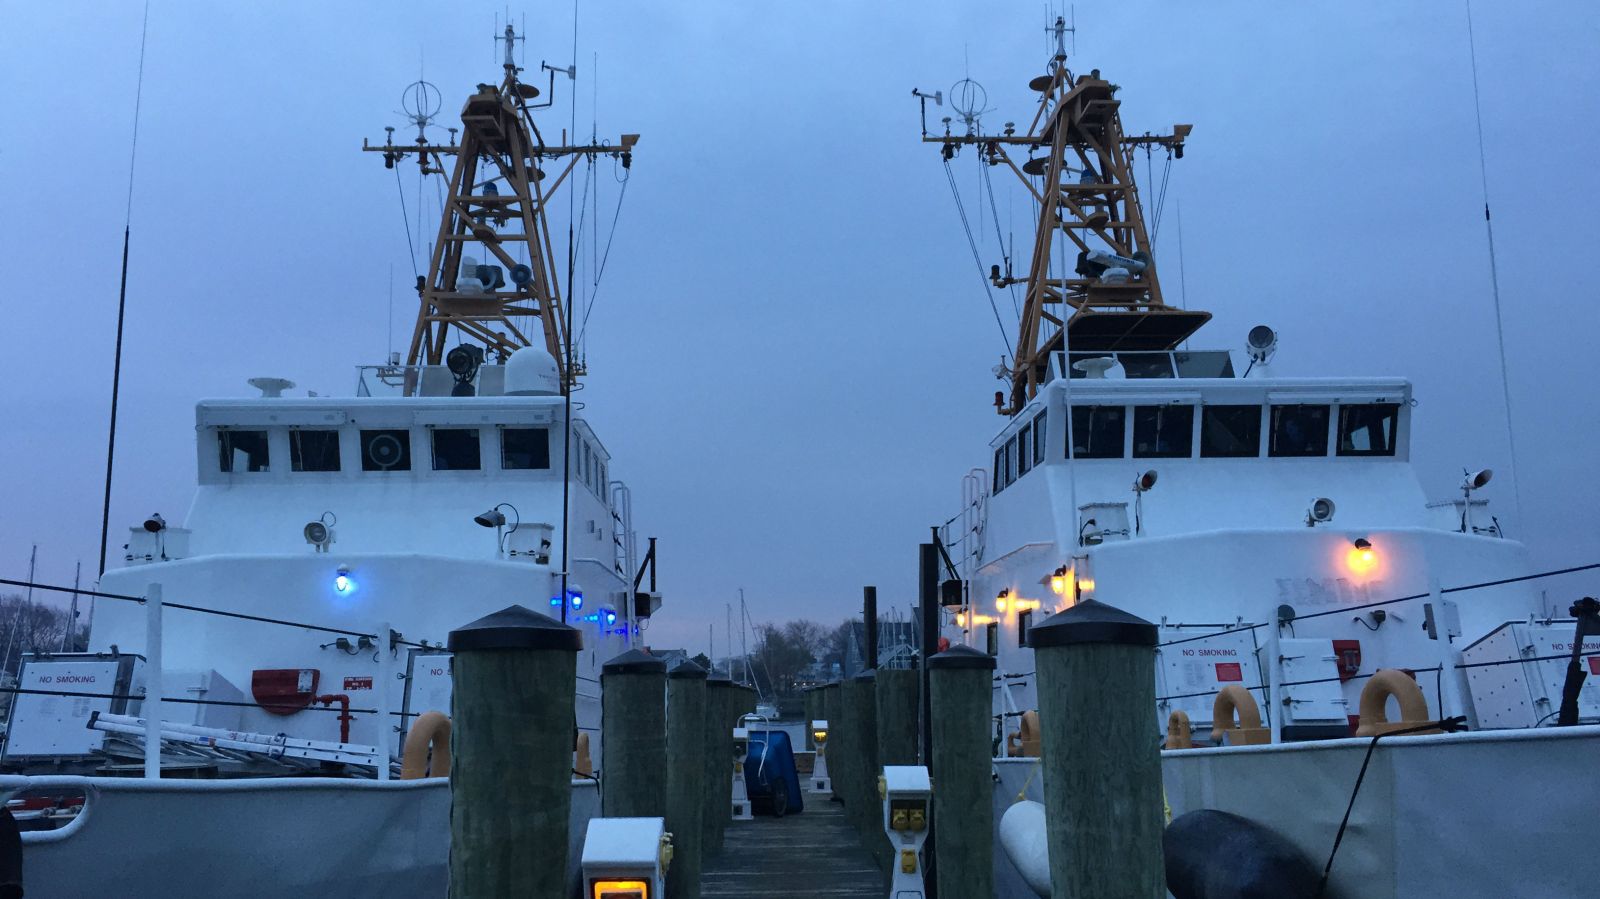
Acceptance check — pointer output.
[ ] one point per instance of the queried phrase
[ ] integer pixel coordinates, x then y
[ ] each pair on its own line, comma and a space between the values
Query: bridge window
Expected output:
1163, 432
1097, 431
242, 450
524, 448
1299, 430
313, 450
1368, 429
456, 449
1206, 364
1024, 621
991, 638
1038, 439
388, 449
998, 485
1145, 365
1024, 450
1230, 432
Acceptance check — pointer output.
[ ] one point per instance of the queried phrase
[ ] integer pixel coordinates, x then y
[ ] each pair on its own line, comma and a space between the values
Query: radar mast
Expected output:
1091, 280
500, 186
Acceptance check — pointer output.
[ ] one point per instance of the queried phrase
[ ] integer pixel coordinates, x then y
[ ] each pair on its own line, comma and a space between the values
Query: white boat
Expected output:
332, 545
1274, 529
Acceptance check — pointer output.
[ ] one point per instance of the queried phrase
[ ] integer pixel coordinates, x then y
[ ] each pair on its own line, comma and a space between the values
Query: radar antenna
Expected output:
1111, 298
501, 183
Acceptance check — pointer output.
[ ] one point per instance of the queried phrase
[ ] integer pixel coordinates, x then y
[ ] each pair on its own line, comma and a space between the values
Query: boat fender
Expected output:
1212, 854
1180, 734
1249, 731
1026, 844
430, 732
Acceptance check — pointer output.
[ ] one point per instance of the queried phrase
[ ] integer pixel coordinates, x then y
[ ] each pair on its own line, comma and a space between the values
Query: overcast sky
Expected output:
791, 349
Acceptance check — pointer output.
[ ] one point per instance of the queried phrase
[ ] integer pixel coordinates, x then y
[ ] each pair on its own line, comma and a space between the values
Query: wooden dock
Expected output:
814, 853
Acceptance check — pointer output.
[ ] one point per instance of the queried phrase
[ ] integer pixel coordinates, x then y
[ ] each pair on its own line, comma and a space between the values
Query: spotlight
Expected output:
1474, 480
1261, 343
318, 533
155, 524
494, 518
1145, 481
1321, 512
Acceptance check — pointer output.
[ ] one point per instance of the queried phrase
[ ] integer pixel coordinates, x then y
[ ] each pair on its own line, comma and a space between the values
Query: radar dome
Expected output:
532, 371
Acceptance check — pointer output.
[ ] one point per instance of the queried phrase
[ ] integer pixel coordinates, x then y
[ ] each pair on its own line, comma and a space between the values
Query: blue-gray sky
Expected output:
791, 349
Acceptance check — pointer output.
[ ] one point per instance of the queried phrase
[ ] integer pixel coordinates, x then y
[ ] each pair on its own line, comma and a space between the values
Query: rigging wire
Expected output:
405, 216
122, 293
999, 238
605, 256
1494, 272
976, 259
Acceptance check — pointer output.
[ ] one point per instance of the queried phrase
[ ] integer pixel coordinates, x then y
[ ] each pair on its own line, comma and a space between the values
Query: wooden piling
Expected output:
718, 793
512, 712
895, 697
962, 683
1101, 759
686, 776
833, 713
633, 725
863, 803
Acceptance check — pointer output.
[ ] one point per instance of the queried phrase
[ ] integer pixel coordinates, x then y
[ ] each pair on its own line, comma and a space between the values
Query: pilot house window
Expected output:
242, 450
1300, 430
1163, 432
1368, 430
1097, 431
313, 450
386, 450
456, 449
524, 448
1230, 432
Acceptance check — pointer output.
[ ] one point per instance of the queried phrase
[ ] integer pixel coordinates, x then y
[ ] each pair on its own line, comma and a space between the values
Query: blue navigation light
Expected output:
555, 602
576, 598
611, 617
342, 582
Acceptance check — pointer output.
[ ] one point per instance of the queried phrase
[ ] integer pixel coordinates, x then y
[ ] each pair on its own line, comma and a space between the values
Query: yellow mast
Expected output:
497, 198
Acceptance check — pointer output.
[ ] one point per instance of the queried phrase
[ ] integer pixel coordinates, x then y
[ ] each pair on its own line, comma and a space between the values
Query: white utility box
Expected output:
626, 858
1191, 674
45, 725
1307, 659
207, 685
1527, 693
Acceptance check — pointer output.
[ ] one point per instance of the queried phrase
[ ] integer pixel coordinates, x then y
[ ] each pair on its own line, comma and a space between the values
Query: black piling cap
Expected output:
1091, 621
718, 679
688, 668
961, 657
635, 661
867, 677
515, 627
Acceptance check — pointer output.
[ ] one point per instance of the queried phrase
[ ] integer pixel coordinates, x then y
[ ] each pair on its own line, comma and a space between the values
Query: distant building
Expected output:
897, 646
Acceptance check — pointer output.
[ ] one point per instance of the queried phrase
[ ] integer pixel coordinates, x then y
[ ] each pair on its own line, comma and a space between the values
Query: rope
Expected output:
976, 259
1494, 272
1449, 725
190, 608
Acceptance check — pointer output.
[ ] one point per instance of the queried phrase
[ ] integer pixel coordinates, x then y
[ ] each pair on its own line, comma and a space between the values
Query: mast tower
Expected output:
1079, 169
500, 186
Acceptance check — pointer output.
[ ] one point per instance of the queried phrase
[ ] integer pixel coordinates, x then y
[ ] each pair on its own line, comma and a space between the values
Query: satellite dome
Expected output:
532, 371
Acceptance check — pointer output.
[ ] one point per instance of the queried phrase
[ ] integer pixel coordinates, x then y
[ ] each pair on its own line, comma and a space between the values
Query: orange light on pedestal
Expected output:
621, 889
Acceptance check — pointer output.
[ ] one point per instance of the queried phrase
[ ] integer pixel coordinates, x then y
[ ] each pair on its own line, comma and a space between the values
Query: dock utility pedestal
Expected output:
906, 792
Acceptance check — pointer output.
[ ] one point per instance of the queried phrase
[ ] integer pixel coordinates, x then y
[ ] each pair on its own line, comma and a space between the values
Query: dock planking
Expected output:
814, 853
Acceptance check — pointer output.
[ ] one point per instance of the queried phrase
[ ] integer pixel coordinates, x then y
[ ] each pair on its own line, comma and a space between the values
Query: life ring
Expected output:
1234, 699
430, 733
1180, 735
1375, 701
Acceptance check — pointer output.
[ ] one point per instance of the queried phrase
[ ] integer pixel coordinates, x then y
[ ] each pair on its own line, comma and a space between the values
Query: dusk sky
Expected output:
791, 349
